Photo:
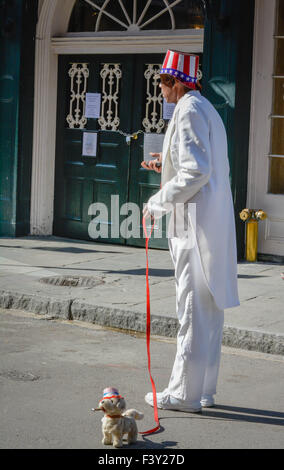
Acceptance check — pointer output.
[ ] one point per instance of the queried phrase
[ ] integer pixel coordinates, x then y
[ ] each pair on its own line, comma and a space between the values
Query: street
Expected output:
53, 372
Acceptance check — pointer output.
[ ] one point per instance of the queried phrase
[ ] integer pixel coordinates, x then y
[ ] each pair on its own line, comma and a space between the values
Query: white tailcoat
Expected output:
196, 170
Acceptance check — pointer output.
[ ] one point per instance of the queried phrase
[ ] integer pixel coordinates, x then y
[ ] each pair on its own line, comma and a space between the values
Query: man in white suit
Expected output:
195, 172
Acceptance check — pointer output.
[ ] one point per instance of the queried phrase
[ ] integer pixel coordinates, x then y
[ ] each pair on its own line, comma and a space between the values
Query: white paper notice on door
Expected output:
90, 141
153, 143
93, 105
168, 110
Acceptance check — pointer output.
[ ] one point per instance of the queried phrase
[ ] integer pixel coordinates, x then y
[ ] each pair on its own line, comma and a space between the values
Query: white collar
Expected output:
185, 96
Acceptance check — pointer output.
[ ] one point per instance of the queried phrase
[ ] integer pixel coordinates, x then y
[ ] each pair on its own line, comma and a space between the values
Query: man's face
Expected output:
168, 86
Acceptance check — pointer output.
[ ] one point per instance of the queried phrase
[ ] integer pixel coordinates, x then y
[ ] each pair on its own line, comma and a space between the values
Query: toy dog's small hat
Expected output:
110, 392
182, 66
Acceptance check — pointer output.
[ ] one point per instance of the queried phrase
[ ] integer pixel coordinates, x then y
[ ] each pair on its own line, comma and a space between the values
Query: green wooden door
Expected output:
82, 181
114, 177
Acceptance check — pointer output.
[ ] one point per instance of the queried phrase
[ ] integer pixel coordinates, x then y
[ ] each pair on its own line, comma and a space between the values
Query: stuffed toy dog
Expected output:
117, 421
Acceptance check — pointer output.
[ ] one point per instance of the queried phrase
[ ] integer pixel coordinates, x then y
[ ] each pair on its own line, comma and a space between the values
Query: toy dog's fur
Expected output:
117, 422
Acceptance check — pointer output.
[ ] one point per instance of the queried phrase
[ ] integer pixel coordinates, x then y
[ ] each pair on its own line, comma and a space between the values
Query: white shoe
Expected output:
207, 401
166, 402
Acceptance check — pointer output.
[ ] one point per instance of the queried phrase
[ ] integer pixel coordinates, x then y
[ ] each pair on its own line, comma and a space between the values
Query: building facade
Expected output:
55, 162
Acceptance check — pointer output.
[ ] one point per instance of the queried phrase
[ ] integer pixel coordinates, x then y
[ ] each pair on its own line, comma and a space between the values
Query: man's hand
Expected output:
152, 164
146, 213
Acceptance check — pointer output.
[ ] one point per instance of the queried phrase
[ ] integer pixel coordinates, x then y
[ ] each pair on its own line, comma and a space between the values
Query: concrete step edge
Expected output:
75, 309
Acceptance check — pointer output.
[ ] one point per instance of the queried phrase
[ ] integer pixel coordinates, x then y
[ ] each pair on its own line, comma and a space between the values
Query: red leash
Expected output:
148, 331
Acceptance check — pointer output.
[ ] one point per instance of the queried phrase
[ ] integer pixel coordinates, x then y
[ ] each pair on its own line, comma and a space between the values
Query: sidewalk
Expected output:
111, 289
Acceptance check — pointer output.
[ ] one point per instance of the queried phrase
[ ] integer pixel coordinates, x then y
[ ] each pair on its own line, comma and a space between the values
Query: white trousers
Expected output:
196, 367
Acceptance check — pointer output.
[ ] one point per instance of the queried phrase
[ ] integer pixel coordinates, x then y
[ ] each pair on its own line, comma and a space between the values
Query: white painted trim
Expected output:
52, 39
127, 45
269, 235
53, 20
260, 128
129, 34
260, 101
40, 3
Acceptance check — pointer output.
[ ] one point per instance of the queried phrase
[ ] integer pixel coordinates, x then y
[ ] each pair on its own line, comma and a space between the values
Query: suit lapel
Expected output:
171, 128
167, 168
166, 160
168, 137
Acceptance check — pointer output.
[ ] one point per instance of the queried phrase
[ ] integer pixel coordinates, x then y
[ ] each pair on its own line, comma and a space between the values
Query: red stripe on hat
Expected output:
166, 60
196, 65
186, 64
175, 61
112, 396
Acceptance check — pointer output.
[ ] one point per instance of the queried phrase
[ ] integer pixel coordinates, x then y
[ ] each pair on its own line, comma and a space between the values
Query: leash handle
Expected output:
148, 330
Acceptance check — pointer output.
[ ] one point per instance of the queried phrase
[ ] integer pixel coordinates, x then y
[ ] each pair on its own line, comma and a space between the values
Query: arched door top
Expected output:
133, 17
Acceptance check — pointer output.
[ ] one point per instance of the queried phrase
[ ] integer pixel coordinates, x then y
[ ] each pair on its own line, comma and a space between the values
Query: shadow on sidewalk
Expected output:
249, 415
234, 413
132, 272
65, 249
249, 276
147, 443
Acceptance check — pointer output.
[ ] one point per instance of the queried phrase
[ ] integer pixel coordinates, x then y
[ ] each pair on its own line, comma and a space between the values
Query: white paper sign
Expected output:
93, 105
90, 140
152, 143
168, 110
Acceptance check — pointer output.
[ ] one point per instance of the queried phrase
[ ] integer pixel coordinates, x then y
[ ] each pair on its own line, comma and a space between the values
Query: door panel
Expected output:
82, 181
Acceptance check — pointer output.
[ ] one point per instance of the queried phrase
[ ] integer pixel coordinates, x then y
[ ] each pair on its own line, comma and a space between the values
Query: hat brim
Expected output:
190, 85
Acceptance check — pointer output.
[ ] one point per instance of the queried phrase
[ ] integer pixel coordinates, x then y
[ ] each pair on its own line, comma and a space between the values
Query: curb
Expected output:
74, 309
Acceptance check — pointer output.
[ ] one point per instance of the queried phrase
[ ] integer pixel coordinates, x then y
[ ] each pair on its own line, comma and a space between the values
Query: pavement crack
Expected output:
154, 283
69, 313
251, 298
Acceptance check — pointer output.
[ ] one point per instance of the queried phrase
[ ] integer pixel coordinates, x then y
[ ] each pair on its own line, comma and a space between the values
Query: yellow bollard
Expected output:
251, 240
251, 217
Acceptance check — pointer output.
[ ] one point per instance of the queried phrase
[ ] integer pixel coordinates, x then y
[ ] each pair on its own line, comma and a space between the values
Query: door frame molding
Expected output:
52, 39
85, 44
261, 101
260, 130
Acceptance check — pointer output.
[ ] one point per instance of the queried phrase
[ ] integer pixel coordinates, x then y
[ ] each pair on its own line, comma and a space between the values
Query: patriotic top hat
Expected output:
182, 66
110, 392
